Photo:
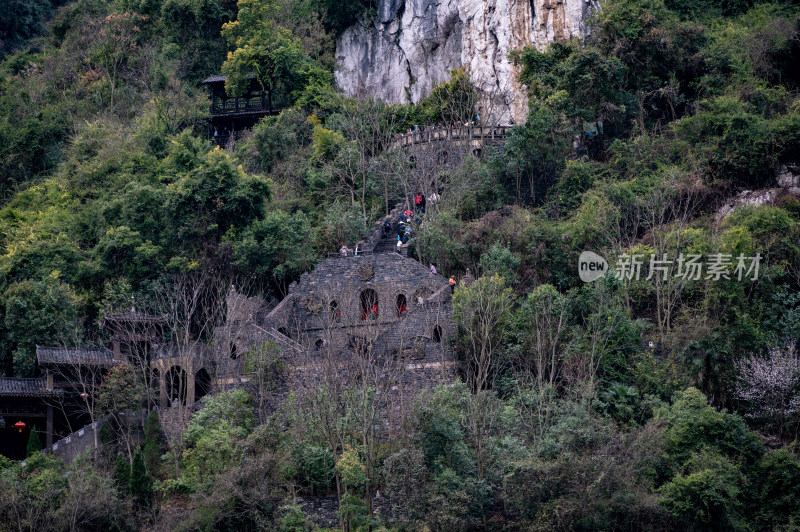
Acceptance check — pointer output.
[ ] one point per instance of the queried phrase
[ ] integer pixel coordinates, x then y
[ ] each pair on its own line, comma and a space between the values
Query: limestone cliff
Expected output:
410, 45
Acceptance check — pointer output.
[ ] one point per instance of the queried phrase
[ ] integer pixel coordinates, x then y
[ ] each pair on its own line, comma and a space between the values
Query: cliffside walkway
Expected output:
475, 137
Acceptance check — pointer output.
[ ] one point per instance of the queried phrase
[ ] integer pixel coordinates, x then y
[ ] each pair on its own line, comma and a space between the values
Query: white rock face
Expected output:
413, 44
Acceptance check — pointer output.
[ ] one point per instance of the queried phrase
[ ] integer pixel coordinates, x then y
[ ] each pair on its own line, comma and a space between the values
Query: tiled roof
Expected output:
25, 387
215, 78
57, 355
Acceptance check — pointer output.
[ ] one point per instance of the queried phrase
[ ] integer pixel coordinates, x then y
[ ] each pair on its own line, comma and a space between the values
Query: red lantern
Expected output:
84, 396
19, 425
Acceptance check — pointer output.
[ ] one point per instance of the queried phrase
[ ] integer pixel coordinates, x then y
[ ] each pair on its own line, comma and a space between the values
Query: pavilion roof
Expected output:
85, 356
16, 387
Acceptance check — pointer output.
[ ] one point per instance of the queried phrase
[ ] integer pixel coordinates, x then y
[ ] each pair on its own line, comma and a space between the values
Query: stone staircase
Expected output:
282, 340
386, 245
378, 243
77, 443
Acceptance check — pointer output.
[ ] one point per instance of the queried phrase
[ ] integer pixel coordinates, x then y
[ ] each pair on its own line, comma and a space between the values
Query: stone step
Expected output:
284, 341
385, 245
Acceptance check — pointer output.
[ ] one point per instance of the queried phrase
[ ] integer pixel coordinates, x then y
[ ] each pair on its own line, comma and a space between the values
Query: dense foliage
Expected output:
622, 404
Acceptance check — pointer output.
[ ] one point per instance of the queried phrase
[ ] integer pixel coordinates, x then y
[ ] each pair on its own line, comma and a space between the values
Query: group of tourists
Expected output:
345, 251
405, 227
404, 233
420, 202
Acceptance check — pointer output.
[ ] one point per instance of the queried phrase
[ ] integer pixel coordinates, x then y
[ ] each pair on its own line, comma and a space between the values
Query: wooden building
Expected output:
231, 115
28, 404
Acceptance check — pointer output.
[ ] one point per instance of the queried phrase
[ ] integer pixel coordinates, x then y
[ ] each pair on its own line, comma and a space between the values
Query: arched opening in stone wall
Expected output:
401, 304
176, 384
437, 334
477, 153
334, 311
233, 351
284, 331
202, 384
369, 304
319, 344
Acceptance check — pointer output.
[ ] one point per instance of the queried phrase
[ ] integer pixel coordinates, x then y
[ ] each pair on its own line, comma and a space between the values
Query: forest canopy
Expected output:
672, 129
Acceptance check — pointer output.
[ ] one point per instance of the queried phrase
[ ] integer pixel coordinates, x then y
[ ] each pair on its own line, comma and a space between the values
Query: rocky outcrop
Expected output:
788, 183
411, 45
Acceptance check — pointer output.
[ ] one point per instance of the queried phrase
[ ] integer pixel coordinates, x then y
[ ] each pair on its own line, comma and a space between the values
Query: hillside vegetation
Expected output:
622, 404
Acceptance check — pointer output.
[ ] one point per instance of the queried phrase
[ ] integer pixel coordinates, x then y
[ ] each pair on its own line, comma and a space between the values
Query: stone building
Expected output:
383, 306
180, 371
385, 303
376, 308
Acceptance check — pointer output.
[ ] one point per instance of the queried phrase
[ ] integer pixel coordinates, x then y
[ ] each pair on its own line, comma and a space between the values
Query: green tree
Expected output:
140, 482
543, 324
294, 519
122, 472
482, 312
154, 444
705, 496
34, 442
194, 25
500, 260
692, 425
122, 251
453, 101
534, 154
276, 248
213, 434
262, 48
212, 197
265, 369
21, 20
117, 36
122, 391
591, 80
45, 493
42, 313
353, 475
775, 485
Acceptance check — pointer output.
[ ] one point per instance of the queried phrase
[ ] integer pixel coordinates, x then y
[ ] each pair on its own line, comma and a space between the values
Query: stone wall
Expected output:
323, 511
81, 441
327, 305
322, 328
77, 443
241, 308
